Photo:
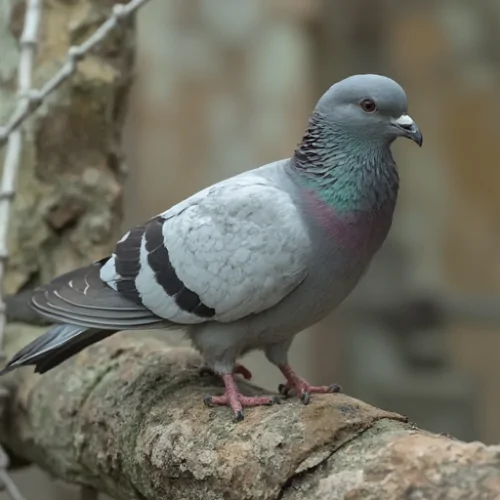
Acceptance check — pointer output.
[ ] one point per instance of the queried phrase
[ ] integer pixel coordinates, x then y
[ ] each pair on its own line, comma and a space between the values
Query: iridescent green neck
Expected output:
345, 173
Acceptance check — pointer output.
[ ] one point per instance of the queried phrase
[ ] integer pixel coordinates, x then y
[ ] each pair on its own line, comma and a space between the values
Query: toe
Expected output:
215, 400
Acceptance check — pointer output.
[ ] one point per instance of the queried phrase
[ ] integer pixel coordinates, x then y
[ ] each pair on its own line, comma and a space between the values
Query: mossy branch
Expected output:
127, 417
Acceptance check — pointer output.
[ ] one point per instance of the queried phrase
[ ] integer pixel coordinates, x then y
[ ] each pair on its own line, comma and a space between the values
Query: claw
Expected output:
283, 390
208, 401
239, 416
305, 397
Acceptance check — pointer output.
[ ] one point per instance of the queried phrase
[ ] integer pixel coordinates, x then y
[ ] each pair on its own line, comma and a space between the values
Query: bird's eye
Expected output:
368, 105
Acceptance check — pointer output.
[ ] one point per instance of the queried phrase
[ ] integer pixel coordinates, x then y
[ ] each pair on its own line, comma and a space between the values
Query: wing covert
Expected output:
230, 251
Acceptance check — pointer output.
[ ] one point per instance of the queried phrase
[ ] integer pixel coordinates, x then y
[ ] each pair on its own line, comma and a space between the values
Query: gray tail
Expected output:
88, 310
55, 346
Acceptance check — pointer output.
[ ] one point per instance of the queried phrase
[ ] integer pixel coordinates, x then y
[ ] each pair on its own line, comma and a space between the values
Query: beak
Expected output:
409, 129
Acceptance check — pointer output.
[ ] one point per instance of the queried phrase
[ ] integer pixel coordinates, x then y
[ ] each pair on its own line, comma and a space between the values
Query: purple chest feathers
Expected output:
362, 231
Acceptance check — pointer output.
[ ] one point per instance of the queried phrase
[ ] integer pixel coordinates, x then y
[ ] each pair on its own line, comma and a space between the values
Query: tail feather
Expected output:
55, 346
89, 311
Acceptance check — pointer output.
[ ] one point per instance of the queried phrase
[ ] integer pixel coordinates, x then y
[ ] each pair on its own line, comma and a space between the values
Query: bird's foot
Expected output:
237, 401
301, 388
238, 370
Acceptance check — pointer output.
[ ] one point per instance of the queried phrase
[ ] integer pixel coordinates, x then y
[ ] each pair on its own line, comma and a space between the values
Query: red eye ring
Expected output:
368, 105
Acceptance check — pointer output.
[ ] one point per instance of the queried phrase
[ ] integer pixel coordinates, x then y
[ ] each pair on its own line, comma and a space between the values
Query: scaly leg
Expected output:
237, 401
300, 387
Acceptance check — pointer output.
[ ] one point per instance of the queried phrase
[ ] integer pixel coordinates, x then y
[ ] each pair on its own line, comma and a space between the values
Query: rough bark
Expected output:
127, 417
67, 210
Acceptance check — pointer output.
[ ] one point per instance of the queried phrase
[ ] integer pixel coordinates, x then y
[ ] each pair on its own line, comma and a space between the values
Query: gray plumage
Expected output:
248, 262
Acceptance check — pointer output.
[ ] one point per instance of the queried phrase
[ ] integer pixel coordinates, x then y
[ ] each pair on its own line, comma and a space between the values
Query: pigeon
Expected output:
250, 261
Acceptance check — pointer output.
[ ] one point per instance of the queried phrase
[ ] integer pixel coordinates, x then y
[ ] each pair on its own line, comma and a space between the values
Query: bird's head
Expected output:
369, 108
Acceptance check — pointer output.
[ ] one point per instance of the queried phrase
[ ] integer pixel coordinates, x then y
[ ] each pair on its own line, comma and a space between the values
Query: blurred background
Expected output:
223, 86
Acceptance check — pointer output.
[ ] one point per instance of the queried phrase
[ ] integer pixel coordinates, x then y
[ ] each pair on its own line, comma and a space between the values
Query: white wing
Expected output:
230, 251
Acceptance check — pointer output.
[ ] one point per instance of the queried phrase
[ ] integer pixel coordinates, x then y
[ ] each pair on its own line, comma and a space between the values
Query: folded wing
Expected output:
230, 251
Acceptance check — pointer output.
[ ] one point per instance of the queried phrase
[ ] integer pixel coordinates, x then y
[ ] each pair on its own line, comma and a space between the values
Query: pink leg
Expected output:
237, 401
300, 387
238, 370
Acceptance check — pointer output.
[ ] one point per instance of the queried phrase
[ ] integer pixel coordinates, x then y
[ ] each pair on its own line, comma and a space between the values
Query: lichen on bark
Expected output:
127, 416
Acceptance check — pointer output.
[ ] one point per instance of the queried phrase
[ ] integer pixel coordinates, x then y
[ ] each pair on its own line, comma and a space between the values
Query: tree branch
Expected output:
32, 100
126, 416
